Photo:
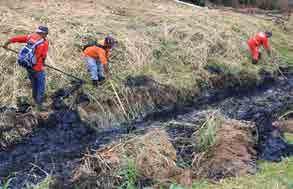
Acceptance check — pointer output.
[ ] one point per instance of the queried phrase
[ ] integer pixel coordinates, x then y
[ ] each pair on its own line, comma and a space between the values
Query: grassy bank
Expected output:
270, 176
171, 43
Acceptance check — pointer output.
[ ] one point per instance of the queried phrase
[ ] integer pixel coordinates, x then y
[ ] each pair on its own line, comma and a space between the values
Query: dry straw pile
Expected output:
153, 155
14, 126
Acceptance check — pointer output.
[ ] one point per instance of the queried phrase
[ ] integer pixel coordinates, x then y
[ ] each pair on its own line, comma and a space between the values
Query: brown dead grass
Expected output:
14, 126
153, 154
167, 41
232, 154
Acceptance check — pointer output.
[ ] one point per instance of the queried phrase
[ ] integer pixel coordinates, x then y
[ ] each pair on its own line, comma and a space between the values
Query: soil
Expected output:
232, 155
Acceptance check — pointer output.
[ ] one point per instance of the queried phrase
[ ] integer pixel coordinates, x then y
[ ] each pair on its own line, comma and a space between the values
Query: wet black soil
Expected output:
58, 144
263, 110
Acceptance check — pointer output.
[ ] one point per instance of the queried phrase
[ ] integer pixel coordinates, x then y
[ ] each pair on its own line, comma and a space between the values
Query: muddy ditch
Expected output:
57, 143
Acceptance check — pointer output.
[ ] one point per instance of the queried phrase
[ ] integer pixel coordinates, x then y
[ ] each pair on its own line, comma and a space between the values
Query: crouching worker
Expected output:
96, 57
32, 58
254, 43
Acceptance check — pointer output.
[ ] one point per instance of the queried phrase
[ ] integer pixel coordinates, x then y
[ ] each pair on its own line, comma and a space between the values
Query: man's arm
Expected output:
106, 69
17, 39
267, 45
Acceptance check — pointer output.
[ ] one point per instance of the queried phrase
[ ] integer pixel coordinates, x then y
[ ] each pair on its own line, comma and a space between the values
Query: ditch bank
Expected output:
58, 143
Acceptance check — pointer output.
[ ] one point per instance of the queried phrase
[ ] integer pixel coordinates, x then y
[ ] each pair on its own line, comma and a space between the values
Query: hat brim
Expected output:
41, 31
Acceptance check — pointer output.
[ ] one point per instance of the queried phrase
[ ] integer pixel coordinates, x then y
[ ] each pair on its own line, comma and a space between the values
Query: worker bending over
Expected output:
254, 43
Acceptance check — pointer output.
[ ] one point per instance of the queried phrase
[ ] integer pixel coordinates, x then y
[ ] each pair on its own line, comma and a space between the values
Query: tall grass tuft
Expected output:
6, 184
206, 135
129, 175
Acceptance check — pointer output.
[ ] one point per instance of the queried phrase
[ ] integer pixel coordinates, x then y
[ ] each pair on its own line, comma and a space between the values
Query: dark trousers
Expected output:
38, 81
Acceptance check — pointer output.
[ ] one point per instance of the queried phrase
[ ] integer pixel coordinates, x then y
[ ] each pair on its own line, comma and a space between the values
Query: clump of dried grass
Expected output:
14, 126
232, 153
153, 156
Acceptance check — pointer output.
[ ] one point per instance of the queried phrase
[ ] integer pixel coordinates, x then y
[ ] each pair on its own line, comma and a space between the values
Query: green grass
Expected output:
45, 184
289, 137
6, 184
242, 75
270, 176
207, 133
129, 175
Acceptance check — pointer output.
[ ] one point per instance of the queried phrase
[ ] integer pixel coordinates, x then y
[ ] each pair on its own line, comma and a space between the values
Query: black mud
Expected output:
60, 141
263, 109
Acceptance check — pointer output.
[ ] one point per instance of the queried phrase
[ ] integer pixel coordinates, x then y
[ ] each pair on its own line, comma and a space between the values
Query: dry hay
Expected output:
14, 126
232, 154
154, 158
284, 126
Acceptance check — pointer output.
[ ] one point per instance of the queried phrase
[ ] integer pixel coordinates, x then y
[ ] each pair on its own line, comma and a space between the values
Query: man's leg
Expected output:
92, 69
255, 55
41, 87
259, 55
31, 76
101, 75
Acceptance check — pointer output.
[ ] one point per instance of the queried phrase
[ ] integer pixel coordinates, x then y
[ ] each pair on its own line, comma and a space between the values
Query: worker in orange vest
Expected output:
96, 57
254, 43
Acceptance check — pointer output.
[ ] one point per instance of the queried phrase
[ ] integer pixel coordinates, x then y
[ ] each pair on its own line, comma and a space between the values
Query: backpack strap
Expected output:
89, 44
38, 43
101, 46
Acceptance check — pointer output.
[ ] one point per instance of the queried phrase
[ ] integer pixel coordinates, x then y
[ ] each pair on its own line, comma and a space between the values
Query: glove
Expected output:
5, 46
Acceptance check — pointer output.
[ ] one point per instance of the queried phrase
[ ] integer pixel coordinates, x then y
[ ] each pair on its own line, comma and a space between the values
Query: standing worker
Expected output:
32, 57
96, 58
254, 43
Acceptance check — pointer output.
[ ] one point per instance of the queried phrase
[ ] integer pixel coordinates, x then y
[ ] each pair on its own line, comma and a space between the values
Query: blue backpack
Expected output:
26, 56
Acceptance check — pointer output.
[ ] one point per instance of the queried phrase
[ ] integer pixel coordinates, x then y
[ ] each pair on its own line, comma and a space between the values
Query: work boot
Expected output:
260, 55
254, 62
102, 80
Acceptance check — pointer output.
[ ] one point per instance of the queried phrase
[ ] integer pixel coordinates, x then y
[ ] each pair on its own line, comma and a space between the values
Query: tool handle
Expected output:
9, 49
51, 67
69, 75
